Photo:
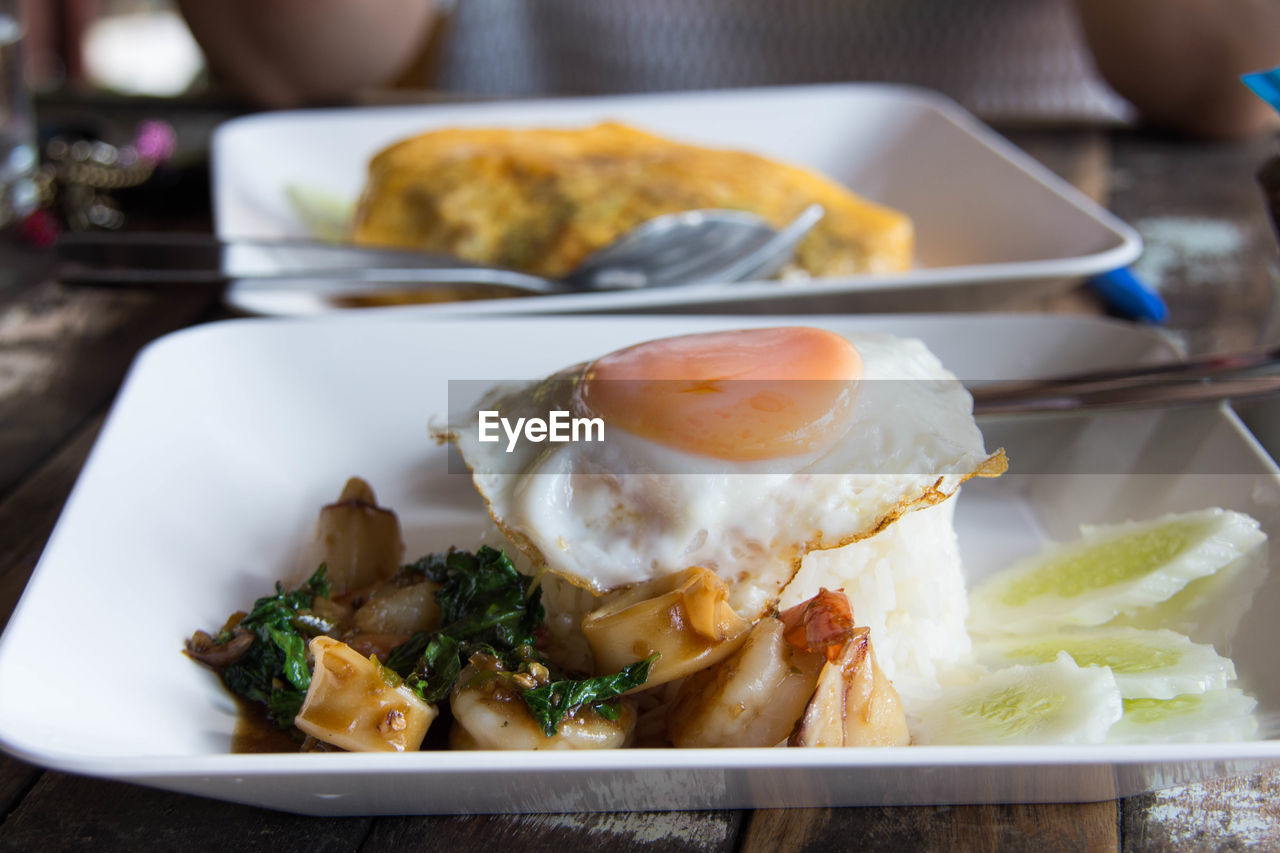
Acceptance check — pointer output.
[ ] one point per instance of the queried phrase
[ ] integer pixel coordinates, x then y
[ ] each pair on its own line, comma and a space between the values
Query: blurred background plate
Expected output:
990, 221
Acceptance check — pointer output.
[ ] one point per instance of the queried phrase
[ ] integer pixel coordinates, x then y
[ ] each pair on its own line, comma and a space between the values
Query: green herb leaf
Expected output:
274, 670
284, 705
483, 598
484, 606
437, 668
403, 659
295, 669
551, 703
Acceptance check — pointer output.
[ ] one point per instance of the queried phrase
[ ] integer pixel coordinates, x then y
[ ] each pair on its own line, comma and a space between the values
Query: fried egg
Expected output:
736, 451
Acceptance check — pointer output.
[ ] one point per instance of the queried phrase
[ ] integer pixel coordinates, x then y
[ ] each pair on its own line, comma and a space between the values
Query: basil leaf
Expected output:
552, 702
274, 670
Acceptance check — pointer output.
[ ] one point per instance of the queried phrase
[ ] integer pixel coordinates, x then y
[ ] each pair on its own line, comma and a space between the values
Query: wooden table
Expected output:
63, 353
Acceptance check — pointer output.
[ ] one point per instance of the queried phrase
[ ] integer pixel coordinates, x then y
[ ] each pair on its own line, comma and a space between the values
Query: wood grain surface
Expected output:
64, 352
1017, 827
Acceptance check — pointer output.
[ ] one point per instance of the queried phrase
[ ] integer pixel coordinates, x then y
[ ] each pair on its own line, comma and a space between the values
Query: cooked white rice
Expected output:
906, 584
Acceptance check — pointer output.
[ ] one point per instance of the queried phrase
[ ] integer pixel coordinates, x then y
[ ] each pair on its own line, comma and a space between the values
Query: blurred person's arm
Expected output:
1179, 61
288, 52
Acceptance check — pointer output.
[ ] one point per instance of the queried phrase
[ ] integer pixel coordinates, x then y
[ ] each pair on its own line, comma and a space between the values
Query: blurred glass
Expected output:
18, 159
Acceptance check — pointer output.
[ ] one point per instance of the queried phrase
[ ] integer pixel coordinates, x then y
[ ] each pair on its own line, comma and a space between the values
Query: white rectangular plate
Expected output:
227, 438
990, 221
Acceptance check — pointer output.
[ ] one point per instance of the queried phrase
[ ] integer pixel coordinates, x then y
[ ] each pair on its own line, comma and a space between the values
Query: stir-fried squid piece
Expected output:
685, 618
358, 540
358, 705
489, 712
854, 703
808, 678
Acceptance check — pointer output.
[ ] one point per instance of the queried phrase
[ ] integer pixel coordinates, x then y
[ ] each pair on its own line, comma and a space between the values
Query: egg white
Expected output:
608, 514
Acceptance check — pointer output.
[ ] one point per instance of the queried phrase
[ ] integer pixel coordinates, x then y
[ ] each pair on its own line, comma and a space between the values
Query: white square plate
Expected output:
227, 438
990, 221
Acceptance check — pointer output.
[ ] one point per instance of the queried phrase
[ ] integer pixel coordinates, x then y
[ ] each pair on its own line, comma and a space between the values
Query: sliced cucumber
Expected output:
1146, 664
1208, 609
1115, 569
1056, 702
1218, 715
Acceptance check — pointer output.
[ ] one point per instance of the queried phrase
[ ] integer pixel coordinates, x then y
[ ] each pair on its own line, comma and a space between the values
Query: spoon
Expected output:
691, 247
1219, 376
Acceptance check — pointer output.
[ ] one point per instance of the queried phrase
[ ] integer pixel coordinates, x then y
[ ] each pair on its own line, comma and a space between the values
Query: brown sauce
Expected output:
255, 733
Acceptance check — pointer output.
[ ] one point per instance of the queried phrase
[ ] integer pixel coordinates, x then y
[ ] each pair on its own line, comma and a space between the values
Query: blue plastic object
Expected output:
1265, 84
1126, 295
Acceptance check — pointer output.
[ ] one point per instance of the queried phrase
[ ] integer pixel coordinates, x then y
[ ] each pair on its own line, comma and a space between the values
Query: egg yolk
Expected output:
742, 395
